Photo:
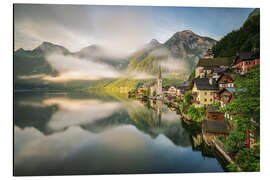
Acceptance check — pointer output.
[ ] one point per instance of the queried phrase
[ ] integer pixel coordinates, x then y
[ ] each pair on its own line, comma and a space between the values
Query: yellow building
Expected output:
203, 90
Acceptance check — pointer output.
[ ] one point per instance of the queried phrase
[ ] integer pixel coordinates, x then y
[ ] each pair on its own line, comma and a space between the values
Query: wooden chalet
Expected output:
213, 114
225, 96
225, 80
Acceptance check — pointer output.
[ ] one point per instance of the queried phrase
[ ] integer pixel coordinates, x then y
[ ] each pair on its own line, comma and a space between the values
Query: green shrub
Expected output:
197, 114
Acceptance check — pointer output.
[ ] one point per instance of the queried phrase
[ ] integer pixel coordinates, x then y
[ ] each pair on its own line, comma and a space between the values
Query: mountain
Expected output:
187, 44
181, 51
184, 47
247, 38
99, 54
33, 62
46, 48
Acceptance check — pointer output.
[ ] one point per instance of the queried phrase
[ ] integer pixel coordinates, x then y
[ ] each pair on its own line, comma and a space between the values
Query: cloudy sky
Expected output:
128, 27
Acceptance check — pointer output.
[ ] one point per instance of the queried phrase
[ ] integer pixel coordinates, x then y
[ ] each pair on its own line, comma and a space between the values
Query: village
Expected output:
201, 99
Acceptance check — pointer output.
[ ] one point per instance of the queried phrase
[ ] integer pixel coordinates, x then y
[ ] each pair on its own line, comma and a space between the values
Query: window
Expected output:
214, 117
205, 100
205, 93
211, 99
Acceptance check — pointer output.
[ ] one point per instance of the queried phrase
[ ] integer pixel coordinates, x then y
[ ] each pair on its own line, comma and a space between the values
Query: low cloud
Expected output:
178, 65
72, 68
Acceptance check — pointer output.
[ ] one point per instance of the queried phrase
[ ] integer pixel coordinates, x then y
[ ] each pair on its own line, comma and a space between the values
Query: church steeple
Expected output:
159, 72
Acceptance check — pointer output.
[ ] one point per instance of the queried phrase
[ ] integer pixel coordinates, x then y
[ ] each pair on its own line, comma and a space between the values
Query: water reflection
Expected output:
81, 134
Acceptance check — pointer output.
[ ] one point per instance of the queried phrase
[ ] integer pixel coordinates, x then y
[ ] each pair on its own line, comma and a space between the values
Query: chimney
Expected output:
211, 81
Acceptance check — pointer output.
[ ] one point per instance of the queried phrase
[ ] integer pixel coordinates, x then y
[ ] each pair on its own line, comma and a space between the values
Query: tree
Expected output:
188, 98
245, 110
245, 39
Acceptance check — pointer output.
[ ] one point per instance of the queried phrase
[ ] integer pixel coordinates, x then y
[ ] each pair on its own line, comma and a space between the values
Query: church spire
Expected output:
159, 72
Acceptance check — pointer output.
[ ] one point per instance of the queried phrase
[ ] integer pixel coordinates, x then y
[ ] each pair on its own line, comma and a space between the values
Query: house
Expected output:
181, 90
209, 54
172, 91
217, 72
225, 80
216, 127
165, 89
225, 96
206, 64
212, 129
213, 114
203, 90
244, 62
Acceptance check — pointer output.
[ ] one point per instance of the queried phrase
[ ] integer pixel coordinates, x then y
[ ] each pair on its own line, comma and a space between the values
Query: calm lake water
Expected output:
61, 134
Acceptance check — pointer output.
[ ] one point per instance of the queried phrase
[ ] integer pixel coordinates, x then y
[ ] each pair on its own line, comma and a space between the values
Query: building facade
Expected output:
203, 90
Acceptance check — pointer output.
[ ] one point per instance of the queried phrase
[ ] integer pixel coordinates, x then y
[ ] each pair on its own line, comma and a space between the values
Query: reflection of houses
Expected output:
244, 62
213, 114
172, 91
205, 66
203, 90
156, 90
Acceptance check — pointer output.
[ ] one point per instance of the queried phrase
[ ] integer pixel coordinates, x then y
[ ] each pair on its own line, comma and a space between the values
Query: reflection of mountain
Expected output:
41, 110
53, 113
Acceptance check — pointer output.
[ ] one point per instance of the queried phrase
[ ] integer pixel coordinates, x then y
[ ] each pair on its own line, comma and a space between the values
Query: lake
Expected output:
98, 133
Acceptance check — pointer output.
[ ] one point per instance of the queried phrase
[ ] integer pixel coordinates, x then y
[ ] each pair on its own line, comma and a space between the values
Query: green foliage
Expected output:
146, 92
232, 167
183, 107
245, 39
197, 114
192, 75
216, 105
248, 159
188, 98
179, 100
31, 65
245, 109
154, 93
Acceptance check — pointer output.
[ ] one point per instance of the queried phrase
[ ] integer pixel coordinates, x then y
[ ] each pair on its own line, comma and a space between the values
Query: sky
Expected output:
117, 28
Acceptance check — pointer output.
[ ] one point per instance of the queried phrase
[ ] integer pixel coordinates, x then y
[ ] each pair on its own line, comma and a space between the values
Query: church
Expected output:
156, 90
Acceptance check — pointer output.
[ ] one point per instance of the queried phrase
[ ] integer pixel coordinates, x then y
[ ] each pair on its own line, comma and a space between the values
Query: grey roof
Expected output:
214, 62
219, 70
248, 55
211, 126
230, 89
204, 84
